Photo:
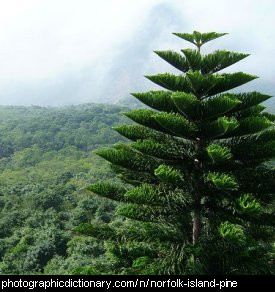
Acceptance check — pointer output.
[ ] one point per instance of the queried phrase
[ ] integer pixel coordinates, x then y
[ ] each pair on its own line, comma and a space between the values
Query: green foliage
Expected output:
221, 127
52, 129
253, 125
198, 38
232, 233
168, 174
250, 99
106, 189
136, 132
166, 149
103, 231
222, 181
218, 153
121, 156
175, 59
219, 60
200, 185
218, 106
159, 100
143, 117
248, 204
43, 176
145, 194
186, 103
176, 124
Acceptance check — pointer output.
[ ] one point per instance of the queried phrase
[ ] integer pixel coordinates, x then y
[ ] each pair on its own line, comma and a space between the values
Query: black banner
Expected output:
33, 283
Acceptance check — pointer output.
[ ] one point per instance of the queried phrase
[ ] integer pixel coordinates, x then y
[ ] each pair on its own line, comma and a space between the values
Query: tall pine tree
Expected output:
198, 186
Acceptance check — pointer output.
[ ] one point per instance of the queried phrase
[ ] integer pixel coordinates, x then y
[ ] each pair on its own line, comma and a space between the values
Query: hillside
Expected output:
46, 161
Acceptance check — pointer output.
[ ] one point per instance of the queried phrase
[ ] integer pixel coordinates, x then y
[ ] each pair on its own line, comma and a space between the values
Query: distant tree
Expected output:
197, 190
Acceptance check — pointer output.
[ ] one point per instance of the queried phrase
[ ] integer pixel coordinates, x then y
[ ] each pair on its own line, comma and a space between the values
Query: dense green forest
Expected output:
47, 160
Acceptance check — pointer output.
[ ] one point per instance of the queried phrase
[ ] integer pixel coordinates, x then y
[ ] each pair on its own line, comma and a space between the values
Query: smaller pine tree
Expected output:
198, 189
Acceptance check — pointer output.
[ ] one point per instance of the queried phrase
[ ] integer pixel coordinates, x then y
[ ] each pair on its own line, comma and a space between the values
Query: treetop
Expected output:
198, 38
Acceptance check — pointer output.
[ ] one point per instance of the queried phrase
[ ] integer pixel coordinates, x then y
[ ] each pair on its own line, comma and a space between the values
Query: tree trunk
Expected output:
196, 226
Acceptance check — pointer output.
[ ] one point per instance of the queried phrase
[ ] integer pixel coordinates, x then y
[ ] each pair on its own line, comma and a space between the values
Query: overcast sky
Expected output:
56, 52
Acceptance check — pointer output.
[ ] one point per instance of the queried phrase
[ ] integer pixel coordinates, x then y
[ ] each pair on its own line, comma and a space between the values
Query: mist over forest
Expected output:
73, 54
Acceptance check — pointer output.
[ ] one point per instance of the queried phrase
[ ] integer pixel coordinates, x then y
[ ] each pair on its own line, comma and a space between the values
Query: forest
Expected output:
47, 161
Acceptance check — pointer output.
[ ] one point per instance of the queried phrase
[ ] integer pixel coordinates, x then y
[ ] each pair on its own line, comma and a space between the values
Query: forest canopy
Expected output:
47, 160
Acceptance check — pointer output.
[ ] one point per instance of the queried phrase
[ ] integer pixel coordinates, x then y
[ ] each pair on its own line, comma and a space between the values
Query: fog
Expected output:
61, 52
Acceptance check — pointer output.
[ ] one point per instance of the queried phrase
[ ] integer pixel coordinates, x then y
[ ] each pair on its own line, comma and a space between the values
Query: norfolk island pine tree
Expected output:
197, 192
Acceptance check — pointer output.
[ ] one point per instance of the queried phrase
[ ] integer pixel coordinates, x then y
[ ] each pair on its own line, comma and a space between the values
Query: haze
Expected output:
61, 52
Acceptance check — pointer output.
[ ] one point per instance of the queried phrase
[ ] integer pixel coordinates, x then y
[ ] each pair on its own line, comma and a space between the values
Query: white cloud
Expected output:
42, 38
62, 51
